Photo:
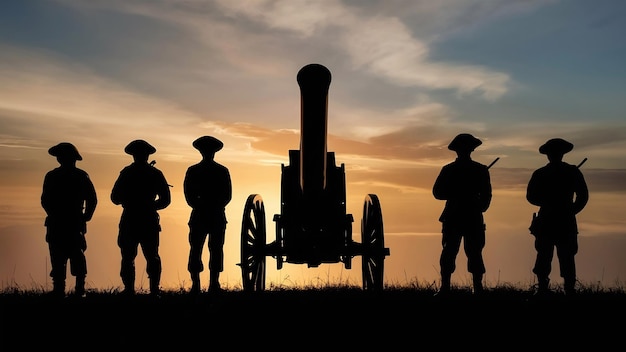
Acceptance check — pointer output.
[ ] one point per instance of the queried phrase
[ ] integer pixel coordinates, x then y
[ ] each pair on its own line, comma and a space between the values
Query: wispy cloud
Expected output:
381, 45
43, 96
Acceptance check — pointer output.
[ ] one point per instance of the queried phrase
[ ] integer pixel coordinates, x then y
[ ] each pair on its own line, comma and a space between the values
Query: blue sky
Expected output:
407, 77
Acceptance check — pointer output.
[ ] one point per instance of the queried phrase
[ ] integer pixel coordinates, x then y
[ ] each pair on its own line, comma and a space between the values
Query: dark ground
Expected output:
317, 319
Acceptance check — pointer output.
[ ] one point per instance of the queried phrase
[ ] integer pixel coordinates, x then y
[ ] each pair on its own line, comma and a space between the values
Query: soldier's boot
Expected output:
129, 285
79, 289
195, 283
478, 283
214, 281
444, 289
155, 289
58, 288
569, 286
543, 285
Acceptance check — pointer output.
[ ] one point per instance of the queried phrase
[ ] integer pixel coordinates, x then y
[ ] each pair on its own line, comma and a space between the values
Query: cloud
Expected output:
380, 45
606, 180
42, 96
409, 158
386, 48
300, 16
415, 145
519, 141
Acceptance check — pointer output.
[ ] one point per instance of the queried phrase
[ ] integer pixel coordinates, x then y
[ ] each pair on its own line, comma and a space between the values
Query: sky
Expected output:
407, 76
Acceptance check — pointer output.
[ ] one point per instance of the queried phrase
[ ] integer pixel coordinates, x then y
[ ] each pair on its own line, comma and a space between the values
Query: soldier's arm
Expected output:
91, 200
486, 192
190, 189
582, 193
440, 188
117, 192
228, 188
164, 196
532, 193
45, 194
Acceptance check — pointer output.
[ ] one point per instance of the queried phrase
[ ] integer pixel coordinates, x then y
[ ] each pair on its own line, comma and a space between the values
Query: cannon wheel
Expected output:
253, 236
373, 242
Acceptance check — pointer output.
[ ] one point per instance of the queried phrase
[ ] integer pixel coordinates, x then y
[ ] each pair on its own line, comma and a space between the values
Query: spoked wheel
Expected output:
253, 236
373, 241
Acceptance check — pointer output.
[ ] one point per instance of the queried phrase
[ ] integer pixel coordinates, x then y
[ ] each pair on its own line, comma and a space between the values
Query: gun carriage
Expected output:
313, 227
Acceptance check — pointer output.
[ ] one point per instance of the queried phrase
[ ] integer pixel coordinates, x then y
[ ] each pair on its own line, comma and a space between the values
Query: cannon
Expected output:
313, 227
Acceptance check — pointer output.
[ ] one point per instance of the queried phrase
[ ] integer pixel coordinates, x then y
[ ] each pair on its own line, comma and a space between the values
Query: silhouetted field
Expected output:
333, 318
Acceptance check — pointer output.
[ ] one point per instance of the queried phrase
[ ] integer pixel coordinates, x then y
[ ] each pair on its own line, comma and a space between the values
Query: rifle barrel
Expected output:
493, 162
581, 163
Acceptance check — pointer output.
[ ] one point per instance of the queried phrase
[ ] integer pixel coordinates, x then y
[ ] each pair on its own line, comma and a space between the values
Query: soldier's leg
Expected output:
78, 268
216, 256
58, 262
128, 249
473, 244
194, 263
150, 249
451, 243
566, 251
543, 262
79, 289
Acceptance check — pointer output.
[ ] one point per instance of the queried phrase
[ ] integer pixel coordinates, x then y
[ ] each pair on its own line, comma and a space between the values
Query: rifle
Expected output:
581, 163
495, 161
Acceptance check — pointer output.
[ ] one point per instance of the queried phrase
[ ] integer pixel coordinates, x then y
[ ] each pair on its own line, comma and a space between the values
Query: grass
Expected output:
315, 316
500, 291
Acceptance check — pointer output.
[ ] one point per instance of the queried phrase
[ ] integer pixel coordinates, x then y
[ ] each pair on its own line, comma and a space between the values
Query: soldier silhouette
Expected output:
560, 191
465, 185
142, 190
69, 199
208, 189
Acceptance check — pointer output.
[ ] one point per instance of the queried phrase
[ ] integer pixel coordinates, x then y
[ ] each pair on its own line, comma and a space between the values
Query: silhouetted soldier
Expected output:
208, 190
142, 190
560, 191
465, 185
69, 199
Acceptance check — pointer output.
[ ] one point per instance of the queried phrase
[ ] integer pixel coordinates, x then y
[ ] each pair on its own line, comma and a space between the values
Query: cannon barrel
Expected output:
314, 81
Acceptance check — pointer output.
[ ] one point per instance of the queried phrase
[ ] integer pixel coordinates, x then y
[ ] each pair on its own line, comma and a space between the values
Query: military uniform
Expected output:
560, 191
142, 190
465, 185
69, 199
208, 189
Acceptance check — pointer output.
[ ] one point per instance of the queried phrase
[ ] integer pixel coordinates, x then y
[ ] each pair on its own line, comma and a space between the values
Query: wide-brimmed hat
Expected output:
556, 146
208, 144
139, 146
464, 141
65, 149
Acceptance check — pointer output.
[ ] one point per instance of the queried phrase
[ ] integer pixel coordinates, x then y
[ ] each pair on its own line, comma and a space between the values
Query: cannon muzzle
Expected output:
314, 81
